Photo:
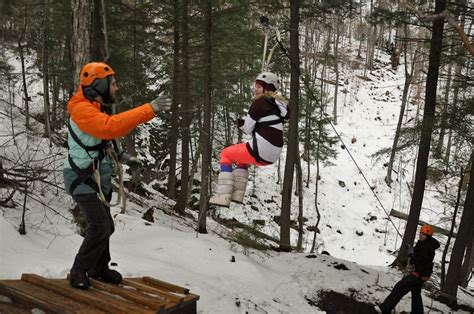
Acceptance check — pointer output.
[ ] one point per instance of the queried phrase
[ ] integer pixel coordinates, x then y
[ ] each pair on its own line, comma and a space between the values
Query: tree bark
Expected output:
425, 140
336, 69
23, 71
285, 242
406, 88
45, 70
453, 276
206, 123
180, 206
81, 44
299, 176
453, 225
175, 101
468, 265
97, 37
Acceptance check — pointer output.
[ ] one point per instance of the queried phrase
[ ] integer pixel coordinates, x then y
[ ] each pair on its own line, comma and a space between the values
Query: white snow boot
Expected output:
241, 177
225, 186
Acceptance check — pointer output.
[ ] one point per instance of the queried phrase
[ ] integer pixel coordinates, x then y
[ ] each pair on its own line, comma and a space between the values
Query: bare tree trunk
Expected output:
299, 176
442, 131
453, 277
456, 86
180, 206
81, 26
23, 71
453, 225
106, 52
45, 65
468, 265
336, 68
406, 88
285, 242
96, 32
316, 185
206, 124
174, 105
425, 140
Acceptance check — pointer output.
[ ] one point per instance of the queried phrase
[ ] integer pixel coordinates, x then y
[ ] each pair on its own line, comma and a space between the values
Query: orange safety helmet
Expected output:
427, 230
95, 70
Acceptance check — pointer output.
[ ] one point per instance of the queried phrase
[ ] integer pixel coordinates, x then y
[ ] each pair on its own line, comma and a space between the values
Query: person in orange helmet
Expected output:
88, 168
422, 261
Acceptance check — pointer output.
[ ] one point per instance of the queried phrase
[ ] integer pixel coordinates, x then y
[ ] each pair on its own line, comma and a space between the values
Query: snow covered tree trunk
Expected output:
425, 139
180, 206
173, 139
206, 123
81, 33
453, 277
285, 242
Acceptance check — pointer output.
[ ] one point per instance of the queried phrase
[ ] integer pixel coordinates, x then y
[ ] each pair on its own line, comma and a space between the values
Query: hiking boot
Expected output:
79, 279
241, 176
107, 275
220, 200
225, 186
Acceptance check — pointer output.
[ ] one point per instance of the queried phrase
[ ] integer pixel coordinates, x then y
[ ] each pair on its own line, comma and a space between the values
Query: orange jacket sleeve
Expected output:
91, 120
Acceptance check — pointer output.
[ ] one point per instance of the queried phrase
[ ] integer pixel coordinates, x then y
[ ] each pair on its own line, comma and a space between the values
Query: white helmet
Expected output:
269, 78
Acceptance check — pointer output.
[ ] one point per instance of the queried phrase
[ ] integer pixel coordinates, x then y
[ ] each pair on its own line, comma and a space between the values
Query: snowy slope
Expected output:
258, 282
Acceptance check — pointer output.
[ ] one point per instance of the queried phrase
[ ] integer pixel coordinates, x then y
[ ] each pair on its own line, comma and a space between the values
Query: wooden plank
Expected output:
91, 297
35, 297
163, 284
397, 214
137, 297
12, 308
153, 290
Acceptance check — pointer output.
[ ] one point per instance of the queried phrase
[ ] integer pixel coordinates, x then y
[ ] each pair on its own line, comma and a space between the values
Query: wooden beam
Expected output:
397, 214
33, 296
134, 296
153, 290
91, 297
163, 284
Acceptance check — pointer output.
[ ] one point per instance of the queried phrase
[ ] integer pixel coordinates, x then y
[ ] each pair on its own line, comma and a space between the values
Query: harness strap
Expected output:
274, 111
83, 175
97, 147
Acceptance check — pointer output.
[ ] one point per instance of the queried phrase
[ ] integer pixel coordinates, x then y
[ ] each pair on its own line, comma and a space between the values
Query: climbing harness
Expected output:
273, 112
91, 174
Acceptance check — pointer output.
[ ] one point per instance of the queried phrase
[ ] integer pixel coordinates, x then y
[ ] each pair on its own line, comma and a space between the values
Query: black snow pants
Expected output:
94, 253
407, 284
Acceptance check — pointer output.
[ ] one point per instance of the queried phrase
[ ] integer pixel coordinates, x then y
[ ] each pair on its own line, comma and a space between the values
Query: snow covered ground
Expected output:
257, 282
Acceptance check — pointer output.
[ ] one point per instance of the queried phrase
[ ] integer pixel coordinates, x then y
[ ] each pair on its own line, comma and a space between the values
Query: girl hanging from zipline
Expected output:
264, 122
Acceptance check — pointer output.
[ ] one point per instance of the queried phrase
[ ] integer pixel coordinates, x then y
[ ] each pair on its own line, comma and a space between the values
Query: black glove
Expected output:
240, 122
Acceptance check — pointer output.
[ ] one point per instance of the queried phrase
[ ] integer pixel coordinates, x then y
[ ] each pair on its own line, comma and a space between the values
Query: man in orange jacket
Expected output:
88, 169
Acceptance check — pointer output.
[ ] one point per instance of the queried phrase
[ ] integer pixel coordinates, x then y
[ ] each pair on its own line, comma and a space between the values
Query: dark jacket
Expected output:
423, 255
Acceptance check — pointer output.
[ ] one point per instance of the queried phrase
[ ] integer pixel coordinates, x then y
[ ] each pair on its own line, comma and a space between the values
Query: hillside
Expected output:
354, 228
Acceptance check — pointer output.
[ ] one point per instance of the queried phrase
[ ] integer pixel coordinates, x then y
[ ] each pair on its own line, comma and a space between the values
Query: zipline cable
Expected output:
282, 47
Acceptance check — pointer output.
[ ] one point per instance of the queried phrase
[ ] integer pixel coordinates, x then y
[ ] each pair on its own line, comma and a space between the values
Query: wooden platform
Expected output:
134, 295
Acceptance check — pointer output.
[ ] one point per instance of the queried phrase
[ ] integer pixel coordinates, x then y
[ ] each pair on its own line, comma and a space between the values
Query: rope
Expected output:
335, 131
119, 170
